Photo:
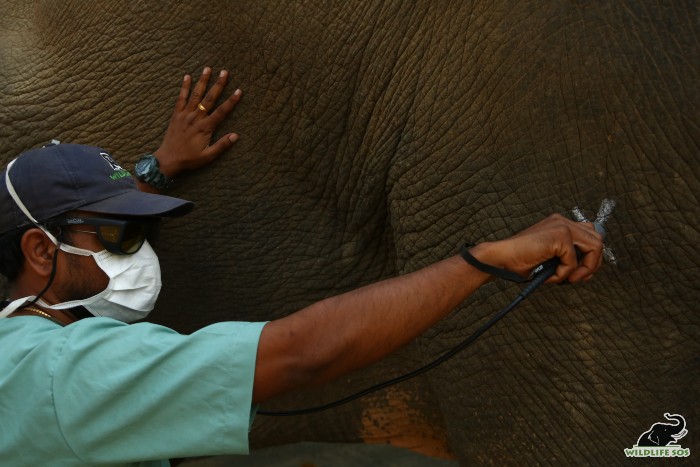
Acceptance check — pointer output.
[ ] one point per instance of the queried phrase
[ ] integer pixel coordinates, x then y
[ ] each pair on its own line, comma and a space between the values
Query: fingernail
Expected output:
233, 137
206, 70
237, 92
222, 73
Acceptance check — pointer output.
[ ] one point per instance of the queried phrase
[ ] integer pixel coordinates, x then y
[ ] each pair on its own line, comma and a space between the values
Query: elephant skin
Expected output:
376, 138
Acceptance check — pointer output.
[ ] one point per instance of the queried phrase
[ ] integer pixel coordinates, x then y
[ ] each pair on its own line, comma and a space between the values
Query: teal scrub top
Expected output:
102, 392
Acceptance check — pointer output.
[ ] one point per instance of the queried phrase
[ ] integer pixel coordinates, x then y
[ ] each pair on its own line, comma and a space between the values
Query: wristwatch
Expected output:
147, 170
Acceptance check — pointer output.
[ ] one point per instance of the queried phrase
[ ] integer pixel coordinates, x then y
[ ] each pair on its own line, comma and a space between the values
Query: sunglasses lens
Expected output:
131, 240
134, 236
109, 233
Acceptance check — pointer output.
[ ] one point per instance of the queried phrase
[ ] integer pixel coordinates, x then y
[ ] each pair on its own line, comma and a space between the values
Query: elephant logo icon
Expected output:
111, 161
661, 439
119, 172
664, 434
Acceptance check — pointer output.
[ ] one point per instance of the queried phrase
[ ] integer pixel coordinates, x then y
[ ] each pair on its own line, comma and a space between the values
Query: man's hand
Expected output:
553, 236
186, 142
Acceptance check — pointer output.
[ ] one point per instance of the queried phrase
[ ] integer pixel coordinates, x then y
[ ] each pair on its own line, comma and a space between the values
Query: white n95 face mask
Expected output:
134, 285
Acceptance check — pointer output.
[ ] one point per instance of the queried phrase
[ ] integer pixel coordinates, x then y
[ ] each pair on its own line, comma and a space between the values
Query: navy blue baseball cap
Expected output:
58, 178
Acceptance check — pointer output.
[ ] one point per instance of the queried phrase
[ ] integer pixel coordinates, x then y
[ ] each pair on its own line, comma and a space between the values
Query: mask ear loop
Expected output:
57, 242
51, 277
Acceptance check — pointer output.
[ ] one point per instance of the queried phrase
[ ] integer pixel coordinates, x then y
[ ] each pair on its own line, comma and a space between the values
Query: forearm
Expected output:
340, 334
374, 321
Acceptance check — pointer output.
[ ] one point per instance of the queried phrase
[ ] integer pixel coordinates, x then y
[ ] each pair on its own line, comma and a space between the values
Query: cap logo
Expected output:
111, 161
119, 172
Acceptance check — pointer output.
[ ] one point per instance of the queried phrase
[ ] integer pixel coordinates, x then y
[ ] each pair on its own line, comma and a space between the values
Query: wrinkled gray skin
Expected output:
376, 137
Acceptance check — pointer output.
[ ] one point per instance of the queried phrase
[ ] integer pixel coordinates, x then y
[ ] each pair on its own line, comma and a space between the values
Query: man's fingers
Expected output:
199, 88
210, 99
567, 264
216, 149
589, 244
226, 107
184, 92
581, 243
589, 264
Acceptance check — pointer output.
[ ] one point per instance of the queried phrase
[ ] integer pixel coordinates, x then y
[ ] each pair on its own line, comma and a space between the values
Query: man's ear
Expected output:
38, 250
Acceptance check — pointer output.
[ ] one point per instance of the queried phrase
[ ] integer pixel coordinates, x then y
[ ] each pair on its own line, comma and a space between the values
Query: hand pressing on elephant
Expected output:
340, 334
186, 145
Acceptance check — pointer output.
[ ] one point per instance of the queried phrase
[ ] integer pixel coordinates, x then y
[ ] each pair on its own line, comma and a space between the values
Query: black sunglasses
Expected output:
124, 237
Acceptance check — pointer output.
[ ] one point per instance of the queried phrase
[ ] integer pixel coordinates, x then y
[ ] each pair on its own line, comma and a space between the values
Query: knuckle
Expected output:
563, 231
556, 217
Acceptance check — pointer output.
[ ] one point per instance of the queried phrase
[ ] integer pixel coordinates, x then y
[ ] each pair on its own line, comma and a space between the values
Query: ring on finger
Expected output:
201, 107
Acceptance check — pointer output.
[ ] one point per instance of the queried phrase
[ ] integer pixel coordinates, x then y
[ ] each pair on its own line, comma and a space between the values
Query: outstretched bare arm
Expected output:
340, 334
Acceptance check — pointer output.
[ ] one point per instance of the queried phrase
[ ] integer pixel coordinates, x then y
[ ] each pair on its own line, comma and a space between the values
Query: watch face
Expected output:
144, 166
147, 170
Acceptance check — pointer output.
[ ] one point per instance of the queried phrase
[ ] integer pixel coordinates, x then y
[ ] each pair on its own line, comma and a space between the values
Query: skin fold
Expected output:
375, 138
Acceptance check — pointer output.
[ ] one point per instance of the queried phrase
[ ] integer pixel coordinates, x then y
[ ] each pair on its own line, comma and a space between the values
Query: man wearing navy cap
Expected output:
80, 386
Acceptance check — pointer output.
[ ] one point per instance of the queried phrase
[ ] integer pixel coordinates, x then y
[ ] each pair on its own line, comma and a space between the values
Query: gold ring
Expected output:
201, 107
